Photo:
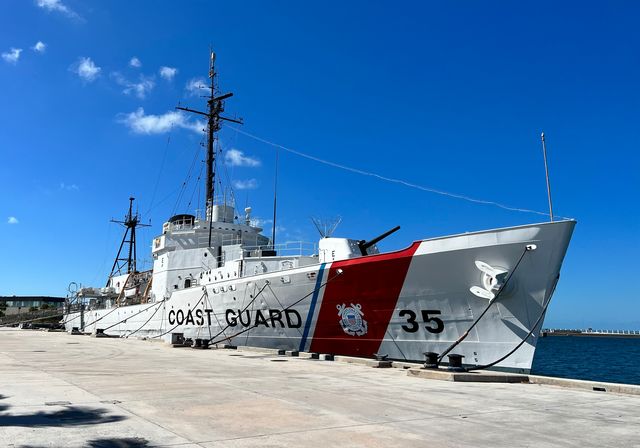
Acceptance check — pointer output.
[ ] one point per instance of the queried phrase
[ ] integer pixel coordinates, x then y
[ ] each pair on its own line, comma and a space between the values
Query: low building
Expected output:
23, 304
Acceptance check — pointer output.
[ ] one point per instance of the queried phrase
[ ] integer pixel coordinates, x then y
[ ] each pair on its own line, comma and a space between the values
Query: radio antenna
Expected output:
275, 203
546, 171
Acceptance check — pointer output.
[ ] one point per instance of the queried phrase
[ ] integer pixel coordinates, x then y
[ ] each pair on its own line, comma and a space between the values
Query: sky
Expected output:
449, 96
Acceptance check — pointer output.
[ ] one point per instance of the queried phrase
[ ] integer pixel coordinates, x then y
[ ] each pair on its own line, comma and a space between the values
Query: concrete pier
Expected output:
75, 391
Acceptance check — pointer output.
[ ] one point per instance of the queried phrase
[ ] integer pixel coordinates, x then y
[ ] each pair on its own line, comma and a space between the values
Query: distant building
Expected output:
22, 304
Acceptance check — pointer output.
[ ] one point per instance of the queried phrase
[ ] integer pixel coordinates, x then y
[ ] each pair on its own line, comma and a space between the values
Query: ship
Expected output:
473, 300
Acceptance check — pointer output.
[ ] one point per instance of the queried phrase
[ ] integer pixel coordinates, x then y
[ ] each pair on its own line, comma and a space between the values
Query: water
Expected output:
612, 360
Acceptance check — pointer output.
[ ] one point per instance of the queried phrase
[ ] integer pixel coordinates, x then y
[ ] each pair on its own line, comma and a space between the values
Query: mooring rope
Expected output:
243, 310
177, 325
318, 288
499, 360
475, 322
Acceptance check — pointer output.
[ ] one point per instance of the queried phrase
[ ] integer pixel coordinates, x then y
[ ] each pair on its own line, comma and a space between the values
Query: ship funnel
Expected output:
223, 213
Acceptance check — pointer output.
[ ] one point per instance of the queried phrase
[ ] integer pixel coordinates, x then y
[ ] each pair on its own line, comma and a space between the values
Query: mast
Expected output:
213, 125
131, 221
215, 106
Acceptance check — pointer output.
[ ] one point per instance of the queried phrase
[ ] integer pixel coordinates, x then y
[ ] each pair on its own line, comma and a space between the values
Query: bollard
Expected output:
177, 339
455, 363
431, 360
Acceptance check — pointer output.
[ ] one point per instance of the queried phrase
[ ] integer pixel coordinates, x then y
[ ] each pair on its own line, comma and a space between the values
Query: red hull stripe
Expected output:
374, 283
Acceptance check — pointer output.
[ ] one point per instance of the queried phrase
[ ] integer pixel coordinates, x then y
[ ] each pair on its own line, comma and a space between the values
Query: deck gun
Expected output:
363, 245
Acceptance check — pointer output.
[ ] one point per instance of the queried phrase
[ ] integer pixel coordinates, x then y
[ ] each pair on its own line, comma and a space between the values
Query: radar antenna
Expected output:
131, 221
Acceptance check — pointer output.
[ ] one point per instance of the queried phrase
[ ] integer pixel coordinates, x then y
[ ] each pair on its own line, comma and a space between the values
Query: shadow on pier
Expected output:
69, 416
126, 442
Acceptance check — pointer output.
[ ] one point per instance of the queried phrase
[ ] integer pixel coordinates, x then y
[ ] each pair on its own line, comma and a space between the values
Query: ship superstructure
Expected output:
217, 279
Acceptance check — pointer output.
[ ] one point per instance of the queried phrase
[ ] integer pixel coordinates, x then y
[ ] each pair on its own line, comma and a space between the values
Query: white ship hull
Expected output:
401, 303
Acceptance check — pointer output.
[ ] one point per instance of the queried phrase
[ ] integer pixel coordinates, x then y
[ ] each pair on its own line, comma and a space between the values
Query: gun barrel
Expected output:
364, 245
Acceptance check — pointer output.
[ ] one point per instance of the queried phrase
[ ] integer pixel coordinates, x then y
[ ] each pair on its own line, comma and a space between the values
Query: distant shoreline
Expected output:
591, 333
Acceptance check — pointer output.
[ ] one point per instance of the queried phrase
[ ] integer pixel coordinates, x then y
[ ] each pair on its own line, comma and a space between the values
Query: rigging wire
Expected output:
164, 159
166, 198
196, 187
107, 245
185, 183
388, 179
232, 192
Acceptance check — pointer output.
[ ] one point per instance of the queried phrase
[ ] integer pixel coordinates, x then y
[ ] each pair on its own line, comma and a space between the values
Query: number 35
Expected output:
412, 326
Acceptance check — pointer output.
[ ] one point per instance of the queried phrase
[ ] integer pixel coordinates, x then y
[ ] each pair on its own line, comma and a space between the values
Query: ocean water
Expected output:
613, 360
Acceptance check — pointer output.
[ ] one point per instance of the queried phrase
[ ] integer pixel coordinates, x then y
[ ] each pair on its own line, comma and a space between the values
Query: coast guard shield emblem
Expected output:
351, 319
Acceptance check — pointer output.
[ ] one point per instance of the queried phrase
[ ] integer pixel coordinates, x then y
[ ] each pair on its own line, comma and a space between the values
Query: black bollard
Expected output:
455, 363
431, 360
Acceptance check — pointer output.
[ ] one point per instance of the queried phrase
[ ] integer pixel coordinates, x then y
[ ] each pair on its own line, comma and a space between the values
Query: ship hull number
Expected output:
430, 322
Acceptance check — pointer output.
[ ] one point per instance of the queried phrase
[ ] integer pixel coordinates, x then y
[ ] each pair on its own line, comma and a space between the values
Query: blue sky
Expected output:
447, 95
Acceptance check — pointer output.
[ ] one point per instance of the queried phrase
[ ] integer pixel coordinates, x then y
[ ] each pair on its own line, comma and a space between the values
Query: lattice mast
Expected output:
131, 222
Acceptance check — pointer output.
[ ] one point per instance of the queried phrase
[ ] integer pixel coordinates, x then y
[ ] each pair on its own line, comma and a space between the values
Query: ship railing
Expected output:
286, 249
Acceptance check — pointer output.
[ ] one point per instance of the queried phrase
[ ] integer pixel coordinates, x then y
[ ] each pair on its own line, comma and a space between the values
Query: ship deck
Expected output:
62, 390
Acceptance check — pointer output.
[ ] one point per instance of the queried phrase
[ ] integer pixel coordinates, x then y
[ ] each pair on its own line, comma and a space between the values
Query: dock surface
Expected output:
59, 390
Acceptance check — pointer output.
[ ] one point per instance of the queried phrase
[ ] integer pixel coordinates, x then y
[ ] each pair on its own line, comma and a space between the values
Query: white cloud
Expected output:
67, 187
168, 72
140, 123
12, 55
235, 157
139, 89
12, 220
39, 47
259, 222
248, 184
58, 6
267, 225
195, 86
135, 62
86, 69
